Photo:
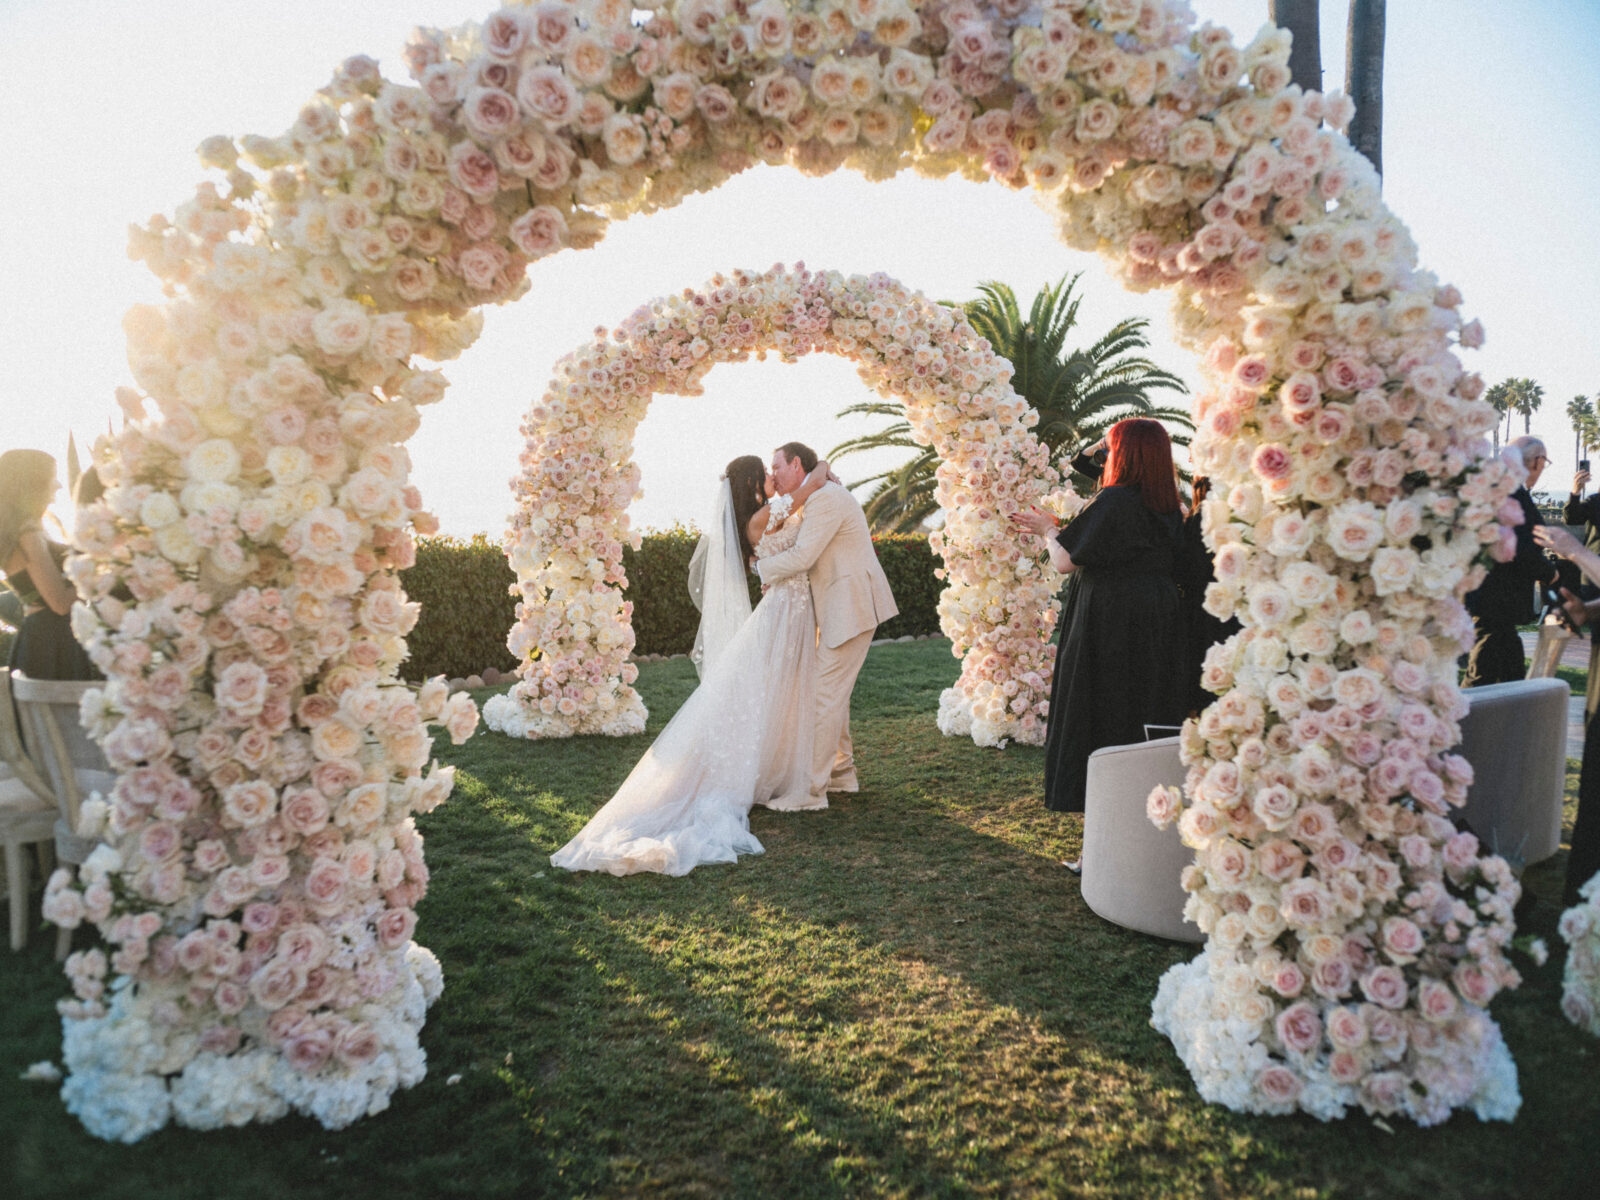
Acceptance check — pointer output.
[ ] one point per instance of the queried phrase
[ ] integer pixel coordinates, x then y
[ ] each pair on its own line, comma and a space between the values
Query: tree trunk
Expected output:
1363, 77
1300, 18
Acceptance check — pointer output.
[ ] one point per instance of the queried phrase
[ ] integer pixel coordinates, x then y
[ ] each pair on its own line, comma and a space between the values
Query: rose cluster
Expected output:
567, 532
1580, 928
239, 575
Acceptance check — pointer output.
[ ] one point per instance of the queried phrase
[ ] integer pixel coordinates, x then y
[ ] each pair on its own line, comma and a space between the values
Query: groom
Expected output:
851, 597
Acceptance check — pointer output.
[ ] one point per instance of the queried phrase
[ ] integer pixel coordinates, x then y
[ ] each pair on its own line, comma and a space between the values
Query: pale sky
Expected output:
1491, 149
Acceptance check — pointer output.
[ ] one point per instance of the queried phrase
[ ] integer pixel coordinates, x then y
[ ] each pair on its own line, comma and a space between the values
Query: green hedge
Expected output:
468, 600
466, 590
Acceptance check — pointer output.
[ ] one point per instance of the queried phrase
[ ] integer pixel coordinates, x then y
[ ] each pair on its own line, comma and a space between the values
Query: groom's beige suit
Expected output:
851, 597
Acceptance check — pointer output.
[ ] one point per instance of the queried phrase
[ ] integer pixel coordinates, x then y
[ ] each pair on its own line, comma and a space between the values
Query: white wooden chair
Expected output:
71, 761
27, 814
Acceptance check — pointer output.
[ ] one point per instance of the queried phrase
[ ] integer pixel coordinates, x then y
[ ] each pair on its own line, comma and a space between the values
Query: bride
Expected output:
744, 736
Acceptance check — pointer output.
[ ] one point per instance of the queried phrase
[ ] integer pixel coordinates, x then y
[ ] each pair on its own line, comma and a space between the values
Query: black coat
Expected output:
1120, 662
1508, 594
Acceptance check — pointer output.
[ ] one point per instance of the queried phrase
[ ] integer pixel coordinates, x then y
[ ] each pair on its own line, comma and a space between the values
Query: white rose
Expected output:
176, 544
1393, 569
288, 464
341, 328
216, 459
159, 510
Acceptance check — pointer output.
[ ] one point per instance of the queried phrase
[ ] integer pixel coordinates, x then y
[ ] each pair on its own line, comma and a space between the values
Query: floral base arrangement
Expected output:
1580, 985
138, 1064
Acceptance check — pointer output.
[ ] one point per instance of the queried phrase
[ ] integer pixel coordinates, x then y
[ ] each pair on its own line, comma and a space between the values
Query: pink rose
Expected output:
539, 231
1288, 980
1279, 1085
249, 803
395, 926
277, 983
1475, 985
1402, 940
473, 170
325, 884
309, 1049
1299, 1028
1272, 462
357, 1045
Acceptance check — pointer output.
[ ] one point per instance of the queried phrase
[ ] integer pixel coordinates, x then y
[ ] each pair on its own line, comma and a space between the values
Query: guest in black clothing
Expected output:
1585, 511
1506, 598
44, 647
1119, 664
1584, 860
1196, 571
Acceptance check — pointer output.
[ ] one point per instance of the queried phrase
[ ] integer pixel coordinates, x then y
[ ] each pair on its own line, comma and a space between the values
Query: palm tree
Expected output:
1300, 18
1513, 396
1580, 411
1079, 394
1363, 76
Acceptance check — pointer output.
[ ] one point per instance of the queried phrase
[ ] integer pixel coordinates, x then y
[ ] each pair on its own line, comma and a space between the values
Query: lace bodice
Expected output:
776, 541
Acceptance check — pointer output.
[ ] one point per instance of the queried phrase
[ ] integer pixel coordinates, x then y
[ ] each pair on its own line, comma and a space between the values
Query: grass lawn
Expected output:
904, 996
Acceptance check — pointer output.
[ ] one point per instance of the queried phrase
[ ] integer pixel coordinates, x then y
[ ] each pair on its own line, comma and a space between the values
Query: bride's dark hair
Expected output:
747, 478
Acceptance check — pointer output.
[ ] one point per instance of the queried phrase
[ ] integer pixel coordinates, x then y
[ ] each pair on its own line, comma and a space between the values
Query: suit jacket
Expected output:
848, 588
1507, 594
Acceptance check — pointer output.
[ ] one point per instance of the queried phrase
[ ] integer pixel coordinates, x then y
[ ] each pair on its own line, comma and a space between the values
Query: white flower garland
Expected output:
240, 581
565, 542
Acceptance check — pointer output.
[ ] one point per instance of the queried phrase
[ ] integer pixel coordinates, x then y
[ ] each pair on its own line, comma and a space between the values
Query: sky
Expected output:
1491, 150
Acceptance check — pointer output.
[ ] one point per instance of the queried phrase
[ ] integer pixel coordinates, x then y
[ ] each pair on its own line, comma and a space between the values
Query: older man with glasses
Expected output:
1509, 595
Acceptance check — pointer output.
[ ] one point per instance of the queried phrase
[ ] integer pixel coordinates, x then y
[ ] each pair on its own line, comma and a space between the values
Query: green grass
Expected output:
905, 996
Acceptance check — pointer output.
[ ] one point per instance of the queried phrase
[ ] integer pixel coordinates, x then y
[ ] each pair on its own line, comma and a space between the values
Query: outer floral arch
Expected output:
239, 577
573, 634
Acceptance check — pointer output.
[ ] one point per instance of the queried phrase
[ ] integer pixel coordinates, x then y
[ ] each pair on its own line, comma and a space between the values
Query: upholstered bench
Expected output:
1131, 868
1515, 737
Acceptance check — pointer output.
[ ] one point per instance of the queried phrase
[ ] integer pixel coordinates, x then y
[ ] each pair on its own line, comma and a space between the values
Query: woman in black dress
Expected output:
44, 647
1583, 862
1120, 660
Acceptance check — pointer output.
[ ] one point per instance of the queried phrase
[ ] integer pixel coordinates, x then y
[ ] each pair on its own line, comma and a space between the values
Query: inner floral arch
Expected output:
573, 631
239, 576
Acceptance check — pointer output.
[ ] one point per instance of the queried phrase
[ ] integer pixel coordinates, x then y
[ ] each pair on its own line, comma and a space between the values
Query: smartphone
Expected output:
1583, 464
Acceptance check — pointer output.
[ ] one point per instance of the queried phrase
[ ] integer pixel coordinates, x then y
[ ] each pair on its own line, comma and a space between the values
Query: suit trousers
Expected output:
833, 764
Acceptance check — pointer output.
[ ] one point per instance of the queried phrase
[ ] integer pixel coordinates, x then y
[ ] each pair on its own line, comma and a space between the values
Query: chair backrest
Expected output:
1131, 868
19, 763
73, 762
1515, 737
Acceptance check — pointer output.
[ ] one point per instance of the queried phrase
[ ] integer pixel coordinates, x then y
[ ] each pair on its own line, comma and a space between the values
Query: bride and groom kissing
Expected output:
770, 722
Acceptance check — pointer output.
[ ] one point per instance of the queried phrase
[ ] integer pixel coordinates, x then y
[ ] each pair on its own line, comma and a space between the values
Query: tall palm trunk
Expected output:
1363, 77
1300, 18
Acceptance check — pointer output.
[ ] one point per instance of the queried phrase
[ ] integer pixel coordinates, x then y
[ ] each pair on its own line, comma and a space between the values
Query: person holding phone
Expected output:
1505, 599
1584, 859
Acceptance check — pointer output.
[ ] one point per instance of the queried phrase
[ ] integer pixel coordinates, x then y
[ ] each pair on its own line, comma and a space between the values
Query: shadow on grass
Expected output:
903, 996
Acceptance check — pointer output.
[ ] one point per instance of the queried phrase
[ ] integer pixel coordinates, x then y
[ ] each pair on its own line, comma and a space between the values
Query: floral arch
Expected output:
573, 635
260, 866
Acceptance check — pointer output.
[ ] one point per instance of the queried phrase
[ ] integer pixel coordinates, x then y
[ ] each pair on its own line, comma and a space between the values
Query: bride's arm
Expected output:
814, 479
761, 522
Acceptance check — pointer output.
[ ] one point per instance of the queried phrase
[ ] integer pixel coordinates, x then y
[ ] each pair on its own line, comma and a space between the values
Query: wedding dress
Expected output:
743, 737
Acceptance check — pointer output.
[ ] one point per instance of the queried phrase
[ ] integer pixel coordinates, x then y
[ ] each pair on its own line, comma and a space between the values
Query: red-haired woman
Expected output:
1120, 660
